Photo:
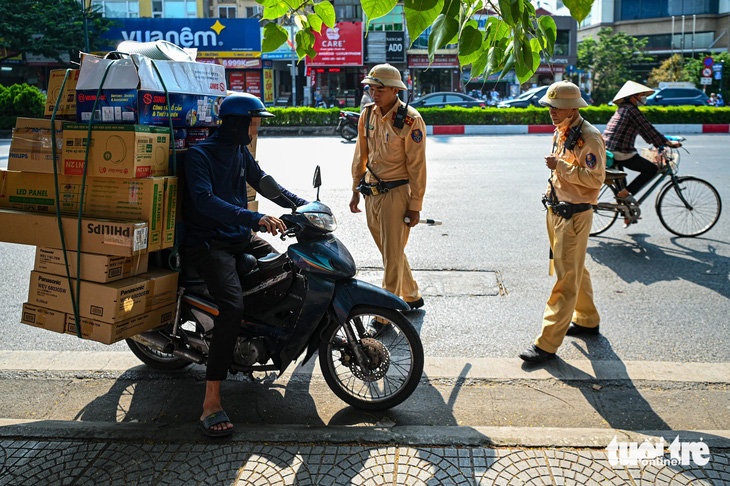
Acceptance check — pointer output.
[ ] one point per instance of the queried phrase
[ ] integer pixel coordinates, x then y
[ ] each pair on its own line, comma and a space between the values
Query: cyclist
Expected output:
620, 136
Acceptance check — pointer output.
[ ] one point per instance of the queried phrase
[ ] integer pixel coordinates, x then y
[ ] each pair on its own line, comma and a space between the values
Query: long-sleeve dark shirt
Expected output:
215, 205
623, 127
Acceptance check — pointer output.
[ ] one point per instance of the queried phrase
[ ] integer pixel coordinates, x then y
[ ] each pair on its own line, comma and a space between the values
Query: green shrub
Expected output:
598, 115
20, 100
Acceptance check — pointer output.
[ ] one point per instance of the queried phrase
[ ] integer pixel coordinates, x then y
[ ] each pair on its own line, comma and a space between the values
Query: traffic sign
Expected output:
718, 75
570, 69
705, 80
706, 72
708, 61
717, 67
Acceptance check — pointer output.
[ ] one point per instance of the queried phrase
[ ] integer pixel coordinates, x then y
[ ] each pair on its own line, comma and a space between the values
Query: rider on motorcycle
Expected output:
218, 234
620, 136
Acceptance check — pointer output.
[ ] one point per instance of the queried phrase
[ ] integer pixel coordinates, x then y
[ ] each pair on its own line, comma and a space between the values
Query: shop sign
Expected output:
240, 63
549, 69
268, 86
213, 38
338, 46
439, 61
395, 49
286, 50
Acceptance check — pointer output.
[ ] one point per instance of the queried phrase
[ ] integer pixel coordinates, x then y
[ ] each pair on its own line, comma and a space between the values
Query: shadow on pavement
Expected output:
649, 263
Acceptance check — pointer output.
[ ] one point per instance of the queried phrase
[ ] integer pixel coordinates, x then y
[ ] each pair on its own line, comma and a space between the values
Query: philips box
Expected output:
134, 199
133, 91
31, 148
121, 151
104, 236
106, 302
94, 267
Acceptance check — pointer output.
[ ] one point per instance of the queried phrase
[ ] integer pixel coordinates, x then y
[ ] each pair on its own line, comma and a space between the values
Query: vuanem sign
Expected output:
213, 38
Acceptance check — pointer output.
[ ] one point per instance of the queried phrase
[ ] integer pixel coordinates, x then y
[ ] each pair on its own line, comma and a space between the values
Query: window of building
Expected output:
701, 41
646, 9
120, 9
348, 10
174, 9
227, 12
562, 43
391, 22
253, 12
422, 41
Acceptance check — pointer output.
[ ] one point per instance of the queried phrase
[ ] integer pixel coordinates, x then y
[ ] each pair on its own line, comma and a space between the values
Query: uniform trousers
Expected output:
385, 213
216, 263
572, 295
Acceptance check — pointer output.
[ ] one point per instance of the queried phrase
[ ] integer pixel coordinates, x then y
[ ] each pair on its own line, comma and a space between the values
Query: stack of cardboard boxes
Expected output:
129, 197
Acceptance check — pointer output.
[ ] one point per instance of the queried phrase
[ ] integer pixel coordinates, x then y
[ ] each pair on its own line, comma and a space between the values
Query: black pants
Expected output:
646, 170
216, 264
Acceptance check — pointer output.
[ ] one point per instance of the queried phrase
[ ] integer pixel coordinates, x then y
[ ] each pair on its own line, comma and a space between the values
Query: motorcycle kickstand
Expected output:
172, 345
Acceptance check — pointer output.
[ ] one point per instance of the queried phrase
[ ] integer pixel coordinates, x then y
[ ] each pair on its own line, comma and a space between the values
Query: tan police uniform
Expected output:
393, 154
577, 179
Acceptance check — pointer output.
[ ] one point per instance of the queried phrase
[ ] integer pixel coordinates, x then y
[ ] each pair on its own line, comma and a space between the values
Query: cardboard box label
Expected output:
67, 104
110, 333
95, 268
44, 318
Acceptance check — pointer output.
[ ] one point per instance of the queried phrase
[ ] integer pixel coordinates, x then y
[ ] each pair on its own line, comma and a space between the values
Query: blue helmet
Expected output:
243, 104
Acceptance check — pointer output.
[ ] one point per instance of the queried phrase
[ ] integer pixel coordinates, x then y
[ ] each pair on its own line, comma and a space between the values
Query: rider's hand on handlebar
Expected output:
272, 225
674, 143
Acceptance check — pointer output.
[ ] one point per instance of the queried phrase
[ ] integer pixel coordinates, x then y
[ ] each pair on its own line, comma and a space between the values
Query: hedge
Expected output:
20, 100
598, 115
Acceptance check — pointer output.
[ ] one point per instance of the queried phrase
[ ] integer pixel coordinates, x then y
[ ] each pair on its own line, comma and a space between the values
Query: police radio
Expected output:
572, 138
400, 115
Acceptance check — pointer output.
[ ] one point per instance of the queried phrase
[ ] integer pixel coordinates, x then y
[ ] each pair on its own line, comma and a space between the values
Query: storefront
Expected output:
440, 75
334, 75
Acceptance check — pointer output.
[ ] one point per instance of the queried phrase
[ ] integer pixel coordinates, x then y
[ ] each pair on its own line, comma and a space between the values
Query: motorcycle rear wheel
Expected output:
396, 359
155, 359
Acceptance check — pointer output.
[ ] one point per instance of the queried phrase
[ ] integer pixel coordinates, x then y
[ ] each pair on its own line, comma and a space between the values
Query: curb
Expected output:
402, 435
680, 129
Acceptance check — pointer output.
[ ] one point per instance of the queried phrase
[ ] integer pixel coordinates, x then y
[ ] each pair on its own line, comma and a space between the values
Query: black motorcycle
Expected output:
301, 301
347, 125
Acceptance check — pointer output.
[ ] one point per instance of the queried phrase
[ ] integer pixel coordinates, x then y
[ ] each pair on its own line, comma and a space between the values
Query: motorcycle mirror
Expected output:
269, 188
317, 180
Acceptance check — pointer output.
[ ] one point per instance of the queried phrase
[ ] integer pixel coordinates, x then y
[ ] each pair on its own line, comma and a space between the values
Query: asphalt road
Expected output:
661, 298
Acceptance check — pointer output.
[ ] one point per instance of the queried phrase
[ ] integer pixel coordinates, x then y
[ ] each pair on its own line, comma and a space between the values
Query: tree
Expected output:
516, 38
49, 28
609, 61
693, 67
672, 69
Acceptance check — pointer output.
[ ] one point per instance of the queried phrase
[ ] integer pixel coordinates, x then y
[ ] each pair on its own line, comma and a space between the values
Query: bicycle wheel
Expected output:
693, 220
605, 212
394, 359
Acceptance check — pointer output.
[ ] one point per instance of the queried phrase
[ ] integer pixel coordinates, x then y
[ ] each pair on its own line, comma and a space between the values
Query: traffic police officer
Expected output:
389, 169
578, 165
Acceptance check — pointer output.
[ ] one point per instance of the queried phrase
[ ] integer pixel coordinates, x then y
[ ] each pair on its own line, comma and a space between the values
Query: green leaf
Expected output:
536, 48
505, 9
451, 9
315, 21
579, 9
550, 31
470, 45
300, 21
443, 31
375, 9
479, 66
326, 12
420, 14
274, 36
276, 10
494, 59
305, 42
509, 63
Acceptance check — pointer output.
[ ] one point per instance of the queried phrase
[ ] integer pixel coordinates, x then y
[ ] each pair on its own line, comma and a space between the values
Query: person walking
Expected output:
578, 167
389, 169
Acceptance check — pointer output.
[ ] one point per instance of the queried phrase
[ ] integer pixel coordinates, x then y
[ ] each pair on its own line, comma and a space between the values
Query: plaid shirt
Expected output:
625, 124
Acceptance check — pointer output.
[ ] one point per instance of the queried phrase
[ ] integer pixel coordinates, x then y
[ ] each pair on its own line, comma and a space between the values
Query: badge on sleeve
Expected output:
417, 135
591, 160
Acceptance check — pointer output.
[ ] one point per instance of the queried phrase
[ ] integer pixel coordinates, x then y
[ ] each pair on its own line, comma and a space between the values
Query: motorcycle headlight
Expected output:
322, 221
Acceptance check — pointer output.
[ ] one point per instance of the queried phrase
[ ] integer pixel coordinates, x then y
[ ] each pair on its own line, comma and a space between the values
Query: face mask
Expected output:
642, 100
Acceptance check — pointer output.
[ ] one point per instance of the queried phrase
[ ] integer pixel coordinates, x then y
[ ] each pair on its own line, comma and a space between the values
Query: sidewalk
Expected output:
82, 418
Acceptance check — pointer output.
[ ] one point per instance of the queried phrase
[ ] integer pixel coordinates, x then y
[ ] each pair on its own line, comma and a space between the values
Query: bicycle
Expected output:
686, 205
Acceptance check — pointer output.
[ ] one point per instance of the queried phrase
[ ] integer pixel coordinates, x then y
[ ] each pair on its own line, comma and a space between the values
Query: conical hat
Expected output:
631, 88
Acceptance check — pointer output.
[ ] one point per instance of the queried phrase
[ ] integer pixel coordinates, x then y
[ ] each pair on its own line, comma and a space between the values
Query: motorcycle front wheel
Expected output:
393, 358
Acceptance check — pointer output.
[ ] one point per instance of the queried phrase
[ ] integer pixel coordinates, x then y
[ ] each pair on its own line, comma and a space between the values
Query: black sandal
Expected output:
212, 420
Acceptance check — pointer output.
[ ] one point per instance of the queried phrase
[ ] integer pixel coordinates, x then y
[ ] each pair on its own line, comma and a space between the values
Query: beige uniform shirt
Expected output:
392, 153
580, 172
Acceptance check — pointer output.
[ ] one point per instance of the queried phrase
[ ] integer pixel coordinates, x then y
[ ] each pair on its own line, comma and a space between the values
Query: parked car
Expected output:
532, 98
446, 98
678, 97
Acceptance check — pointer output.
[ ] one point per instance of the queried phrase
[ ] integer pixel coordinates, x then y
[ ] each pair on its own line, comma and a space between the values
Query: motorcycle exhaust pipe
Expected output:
154, 340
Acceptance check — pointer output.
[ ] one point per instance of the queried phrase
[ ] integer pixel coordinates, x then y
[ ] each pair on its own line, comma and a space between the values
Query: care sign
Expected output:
338, 46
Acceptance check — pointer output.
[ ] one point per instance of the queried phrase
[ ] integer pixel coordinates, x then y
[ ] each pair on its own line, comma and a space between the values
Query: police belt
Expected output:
565, 209
381, 187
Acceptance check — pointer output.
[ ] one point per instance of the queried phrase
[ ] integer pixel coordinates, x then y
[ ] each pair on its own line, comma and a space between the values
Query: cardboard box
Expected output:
131, 199
110, 333
106, 302
169, 217
44, 318
120, 151
67, 105
95, 268
105, 236
133, 92
31, 146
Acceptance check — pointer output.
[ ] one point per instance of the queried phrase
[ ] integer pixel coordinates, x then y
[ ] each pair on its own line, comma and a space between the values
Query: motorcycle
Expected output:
347, 125
300, 302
